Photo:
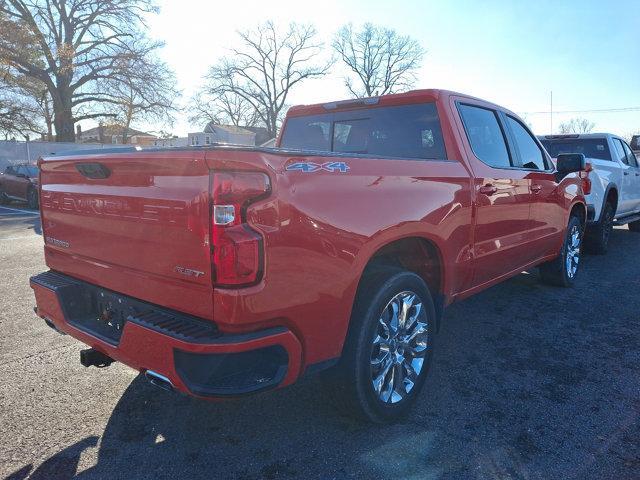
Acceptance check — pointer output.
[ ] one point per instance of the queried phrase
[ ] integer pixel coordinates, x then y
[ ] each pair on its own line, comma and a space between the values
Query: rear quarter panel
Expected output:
321, 229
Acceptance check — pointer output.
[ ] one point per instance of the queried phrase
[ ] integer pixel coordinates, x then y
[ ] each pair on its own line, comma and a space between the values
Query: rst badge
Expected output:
188, 272
311, 167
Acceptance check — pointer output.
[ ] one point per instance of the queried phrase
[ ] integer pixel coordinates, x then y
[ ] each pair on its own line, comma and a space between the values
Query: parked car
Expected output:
615, 182
19, 182
224, 271
635, 144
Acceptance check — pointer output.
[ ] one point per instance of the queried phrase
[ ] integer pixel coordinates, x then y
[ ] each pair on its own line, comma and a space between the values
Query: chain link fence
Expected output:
12, 152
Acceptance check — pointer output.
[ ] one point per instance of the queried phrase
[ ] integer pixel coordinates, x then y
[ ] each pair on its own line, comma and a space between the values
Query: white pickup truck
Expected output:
615, 180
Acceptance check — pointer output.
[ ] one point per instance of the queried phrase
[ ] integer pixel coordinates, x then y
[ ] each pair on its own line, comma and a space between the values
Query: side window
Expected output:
631, 158
531, 156
619, 151
485, 135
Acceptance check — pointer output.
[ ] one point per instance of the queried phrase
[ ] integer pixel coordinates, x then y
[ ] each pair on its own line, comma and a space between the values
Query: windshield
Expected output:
407, 131
589, 147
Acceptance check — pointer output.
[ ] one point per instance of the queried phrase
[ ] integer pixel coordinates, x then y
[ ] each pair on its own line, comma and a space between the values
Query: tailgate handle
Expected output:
93, 170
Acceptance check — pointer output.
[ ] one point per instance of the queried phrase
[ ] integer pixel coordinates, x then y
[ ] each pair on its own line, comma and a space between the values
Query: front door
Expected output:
548, 212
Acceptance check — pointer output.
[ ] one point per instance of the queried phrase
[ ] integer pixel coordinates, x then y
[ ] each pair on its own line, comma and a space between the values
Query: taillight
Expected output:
238, 252
586, 181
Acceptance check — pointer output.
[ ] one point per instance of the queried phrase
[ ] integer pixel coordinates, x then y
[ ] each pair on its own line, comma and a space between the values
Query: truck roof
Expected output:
577, 135
412, 96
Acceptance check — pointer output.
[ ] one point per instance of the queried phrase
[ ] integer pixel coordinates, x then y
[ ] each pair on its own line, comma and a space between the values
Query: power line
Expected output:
602, 110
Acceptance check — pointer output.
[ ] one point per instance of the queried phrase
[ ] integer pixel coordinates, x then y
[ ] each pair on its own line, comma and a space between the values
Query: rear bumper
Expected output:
197, 360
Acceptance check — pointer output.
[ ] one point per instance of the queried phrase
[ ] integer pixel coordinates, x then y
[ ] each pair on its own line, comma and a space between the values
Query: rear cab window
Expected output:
405, 131
590, 147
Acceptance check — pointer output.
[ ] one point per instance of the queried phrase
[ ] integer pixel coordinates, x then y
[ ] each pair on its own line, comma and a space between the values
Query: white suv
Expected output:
615, 180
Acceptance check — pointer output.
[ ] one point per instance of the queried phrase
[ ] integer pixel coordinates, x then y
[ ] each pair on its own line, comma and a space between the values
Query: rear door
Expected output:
22, 182
548, 214
501, 241
627, 195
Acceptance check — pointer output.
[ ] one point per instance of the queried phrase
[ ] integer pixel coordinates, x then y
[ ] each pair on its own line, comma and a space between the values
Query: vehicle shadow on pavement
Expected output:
529, 381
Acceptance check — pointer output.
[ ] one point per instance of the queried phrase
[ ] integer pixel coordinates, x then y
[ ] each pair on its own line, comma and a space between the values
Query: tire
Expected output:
384, 366
32, 198
597, 238
634, 226
563, 270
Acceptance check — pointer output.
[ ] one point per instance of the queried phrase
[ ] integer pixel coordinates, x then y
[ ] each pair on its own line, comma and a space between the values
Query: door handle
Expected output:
637, 174
536, 188
625, 173
488, 189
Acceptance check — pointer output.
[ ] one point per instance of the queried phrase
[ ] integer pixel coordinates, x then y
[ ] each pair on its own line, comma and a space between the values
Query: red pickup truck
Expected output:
224, 271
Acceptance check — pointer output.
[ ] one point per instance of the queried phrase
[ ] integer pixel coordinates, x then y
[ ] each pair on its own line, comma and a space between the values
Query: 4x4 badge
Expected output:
311, 167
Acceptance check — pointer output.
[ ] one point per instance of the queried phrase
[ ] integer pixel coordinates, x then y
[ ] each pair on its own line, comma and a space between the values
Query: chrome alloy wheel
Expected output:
399, 347
573, 251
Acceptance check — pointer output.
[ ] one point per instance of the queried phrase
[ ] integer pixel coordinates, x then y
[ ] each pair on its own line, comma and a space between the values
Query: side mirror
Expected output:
567, 163
21, 175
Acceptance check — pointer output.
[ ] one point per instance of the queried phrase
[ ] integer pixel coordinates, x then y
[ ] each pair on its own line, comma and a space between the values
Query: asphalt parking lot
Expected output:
530, 382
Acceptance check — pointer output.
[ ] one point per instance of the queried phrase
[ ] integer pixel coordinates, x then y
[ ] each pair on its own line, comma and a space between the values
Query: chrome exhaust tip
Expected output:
158, 380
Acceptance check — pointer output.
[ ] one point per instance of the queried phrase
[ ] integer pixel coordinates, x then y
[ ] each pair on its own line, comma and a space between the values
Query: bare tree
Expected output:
381, 60
222, 108
143, 91
576, 125
81, 46
265, 68
16, 115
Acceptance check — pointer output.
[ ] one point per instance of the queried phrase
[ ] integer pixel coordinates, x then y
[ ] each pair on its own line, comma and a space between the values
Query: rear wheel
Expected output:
563, 270
634, 226
389, 347
597, 238
32, 198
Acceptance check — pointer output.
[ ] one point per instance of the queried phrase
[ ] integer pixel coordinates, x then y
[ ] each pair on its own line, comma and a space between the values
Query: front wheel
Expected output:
563, 270
389, 346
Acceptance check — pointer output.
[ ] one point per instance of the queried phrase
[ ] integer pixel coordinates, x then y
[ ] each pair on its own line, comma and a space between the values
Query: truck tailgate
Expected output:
143, 230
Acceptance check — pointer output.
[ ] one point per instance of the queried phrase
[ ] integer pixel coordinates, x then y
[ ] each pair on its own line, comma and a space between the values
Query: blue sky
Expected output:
510, 52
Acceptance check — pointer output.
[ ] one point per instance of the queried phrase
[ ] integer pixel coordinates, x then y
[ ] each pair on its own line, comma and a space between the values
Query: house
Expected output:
112, 134
171, 142
230, 134
262, 135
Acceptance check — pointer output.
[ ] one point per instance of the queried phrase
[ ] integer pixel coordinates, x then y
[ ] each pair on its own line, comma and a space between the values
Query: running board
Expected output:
624, 220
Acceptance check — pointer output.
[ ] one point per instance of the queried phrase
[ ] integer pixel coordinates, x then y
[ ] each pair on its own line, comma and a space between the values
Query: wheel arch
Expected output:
414, 253
579, 209
611, 192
